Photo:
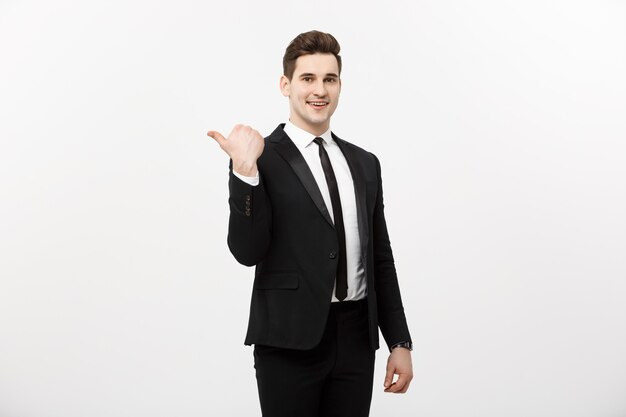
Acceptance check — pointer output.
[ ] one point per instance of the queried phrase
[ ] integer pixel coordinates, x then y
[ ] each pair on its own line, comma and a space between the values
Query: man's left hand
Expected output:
399, 363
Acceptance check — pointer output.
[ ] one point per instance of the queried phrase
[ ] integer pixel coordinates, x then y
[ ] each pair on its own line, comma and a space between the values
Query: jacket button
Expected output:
248, 212
332, 255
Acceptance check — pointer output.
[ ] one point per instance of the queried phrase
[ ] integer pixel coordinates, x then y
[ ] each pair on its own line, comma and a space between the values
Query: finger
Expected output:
257, 133
237, 128
396, 389
388, 377
401, 384
217, 136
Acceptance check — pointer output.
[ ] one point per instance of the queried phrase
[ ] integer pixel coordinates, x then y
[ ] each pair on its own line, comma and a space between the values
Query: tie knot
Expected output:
318, 140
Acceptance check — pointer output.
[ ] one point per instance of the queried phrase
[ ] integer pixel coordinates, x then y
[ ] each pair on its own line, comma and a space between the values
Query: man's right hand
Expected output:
244, 145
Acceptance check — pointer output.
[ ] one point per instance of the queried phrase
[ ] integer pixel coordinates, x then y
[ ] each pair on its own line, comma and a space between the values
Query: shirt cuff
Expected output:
253, 181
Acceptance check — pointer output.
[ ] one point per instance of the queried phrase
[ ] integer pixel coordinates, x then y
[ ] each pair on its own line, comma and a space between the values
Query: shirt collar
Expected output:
302, 138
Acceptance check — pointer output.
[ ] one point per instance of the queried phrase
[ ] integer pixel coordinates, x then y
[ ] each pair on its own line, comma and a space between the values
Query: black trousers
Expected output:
331, 380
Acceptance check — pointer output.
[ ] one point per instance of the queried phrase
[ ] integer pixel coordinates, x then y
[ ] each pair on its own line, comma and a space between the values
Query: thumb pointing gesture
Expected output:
244, 146
219, 138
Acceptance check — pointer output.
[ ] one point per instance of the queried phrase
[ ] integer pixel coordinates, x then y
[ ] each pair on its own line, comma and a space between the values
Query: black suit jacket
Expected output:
284, 228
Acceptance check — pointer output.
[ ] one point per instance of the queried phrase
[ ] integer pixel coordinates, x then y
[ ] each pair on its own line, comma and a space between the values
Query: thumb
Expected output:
389, 376
217, 136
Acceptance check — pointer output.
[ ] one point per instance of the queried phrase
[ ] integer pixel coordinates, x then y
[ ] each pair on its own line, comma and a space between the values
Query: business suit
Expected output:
284, 228
314, 358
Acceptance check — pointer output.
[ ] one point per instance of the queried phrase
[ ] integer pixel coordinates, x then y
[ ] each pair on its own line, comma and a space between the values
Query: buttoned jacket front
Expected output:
283, 227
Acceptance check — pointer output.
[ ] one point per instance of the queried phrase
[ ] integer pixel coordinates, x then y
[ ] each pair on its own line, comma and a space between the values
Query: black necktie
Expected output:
341, 290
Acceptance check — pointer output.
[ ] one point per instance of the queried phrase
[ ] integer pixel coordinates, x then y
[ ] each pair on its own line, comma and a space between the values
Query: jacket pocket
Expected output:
276, 281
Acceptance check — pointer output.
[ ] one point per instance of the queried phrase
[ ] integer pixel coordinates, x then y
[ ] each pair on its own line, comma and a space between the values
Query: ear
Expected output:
285, 85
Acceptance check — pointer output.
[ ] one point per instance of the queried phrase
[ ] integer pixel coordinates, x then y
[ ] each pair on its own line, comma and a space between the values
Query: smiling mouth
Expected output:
317, 104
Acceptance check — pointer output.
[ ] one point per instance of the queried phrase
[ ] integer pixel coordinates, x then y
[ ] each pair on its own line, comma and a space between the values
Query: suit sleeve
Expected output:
249, 223
391, 317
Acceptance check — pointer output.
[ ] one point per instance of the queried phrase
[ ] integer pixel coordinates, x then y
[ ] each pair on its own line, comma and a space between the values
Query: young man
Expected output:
306, 208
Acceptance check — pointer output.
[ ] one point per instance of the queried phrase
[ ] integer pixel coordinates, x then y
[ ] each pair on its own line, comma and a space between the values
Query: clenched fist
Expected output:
244, 145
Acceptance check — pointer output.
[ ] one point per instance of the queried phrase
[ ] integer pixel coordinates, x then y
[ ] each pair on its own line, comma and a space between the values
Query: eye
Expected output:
331, 80
307, 79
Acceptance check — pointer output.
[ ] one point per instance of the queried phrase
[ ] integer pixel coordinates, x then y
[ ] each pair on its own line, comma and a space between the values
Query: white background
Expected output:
501, 129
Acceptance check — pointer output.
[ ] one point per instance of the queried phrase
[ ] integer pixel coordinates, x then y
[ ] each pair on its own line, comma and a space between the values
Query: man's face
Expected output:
313, 92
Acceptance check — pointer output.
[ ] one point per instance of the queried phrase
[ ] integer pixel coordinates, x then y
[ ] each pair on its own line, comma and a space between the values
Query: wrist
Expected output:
246, 169
403, 345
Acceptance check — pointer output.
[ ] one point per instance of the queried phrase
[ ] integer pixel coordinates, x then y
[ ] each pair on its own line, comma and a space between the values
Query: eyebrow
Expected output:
310, 74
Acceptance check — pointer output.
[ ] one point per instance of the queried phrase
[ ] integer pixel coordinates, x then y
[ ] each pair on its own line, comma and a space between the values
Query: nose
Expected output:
319, 89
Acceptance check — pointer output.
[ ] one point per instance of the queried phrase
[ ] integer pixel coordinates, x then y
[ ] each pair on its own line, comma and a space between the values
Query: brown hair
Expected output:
307, 43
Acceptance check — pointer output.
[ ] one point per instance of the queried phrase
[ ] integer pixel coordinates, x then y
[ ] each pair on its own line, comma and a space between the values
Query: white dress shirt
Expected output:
357, 284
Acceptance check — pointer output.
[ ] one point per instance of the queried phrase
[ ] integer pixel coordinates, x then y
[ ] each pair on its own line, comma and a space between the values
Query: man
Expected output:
306, 208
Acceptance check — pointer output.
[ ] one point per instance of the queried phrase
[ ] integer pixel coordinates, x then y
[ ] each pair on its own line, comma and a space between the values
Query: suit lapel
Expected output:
290, 153
360, 191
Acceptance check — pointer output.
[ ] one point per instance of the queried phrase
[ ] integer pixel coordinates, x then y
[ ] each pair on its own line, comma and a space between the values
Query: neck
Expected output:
314, 130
